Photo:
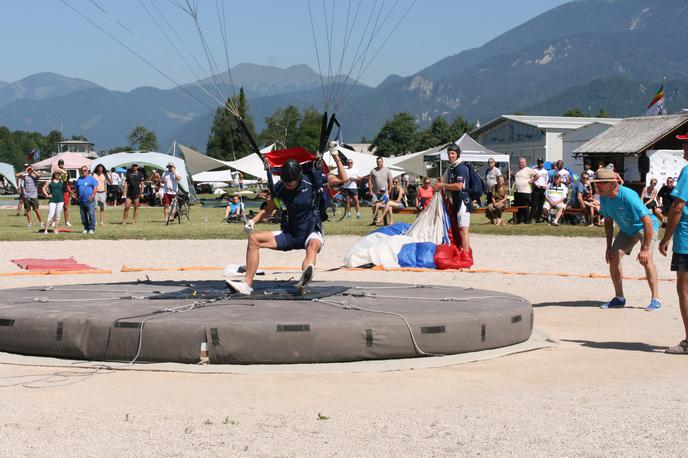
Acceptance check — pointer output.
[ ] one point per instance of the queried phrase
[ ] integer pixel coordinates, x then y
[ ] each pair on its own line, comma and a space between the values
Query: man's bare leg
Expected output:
312, 250
127, 204
651, 274
616, 272
136, 211
465, 239
682, 289
256, 241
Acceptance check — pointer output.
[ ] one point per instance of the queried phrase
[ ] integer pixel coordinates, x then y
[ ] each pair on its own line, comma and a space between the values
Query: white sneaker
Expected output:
306, 277
42, 225
52, 224
91, 231
29, 225
84, 231
240, 286
68, 224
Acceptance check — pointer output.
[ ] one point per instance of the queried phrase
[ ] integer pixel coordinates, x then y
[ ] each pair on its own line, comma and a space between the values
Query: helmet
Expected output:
291, 170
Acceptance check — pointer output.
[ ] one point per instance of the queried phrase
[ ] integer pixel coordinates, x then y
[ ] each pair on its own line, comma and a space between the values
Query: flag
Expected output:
656, 106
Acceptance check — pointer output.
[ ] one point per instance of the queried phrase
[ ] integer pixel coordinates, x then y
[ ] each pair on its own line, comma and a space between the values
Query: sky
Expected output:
48, 36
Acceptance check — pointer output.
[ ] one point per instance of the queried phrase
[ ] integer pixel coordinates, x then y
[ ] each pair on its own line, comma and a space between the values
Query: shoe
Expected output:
348, 215
555, 223
358, 216
84, 231
680, 349
52, 224
42, 226
614, 304
306, 277
68, 224
91, 231
655, 304
29, 225
239, 286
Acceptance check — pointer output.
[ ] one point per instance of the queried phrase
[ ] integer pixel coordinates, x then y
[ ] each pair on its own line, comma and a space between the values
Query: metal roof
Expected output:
633, 135
546, 122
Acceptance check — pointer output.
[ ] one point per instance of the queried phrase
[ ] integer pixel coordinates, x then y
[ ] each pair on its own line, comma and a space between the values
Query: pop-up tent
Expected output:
7, 171
151, 159
72, 161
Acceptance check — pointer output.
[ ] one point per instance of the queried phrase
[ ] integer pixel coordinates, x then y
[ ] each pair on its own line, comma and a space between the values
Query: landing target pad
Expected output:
263, 291
333, 322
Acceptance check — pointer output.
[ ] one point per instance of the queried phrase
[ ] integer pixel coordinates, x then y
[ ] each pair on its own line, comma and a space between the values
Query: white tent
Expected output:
251, 164
7, 171
413, 162
151, 159
363, 162
218, 176
472, 151
197, 162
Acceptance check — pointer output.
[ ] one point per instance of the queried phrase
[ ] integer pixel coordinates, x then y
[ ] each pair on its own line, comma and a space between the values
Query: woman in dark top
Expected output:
665, 198
54, 190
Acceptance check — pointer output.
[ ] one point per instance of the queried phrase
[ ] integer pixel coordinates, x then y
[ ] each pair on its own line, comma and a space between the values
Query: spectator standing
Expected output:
350, 189
20, 191
665, 197
101, 192
116, 183
453, 181
133, 188
30, 194
500, 200
156, 187
677, 226
86, 190
555, 199
491, 174
170, 179
636, 224
523, 181
539, 189
67, 192
379, 183
53, 189
424, 195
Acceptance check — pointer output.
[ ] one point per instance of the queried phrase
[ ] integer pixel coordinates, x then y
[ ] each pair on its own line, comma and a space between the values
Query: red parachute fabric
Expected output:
452, 256
278, 157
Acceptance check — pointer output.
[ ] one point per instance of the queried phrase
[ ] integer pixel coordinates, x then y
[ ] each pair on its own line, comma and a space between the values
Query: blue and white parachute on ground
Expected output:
403, 245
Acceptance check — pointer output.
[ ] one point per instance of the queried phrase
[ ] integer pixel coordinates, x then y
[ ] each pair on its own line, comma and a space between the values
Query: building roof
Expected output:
633, 135
545, 122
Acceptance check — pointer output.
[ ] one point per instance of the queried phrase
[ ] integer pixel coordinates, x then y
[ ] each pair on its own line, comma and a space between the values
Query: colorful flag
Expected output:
656, 106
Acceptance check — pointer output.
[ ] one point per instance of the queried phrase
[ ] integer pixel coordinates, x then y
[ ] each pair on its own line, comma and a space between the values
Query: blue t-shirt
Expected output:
459, 174
584, 189
681, 233
85, 187
626, 209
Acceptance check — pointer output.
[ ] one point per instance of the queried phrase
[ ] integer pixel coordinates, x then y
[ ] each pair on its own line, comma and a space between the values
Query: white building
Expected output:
577, 138
531, 137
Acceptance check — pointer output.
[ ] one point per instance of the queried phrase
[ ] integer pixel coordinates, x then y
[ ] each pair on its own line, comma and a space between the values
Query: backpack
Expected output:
475, 186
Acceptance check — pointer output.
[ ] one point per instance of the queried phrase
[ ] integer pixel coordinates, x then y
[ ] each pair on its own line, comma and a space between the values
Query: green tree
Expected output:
143, 139
309, 129
602, 114
227, 139
397, 136
282, 127
458, 127
576, 112
436, 134
81, 138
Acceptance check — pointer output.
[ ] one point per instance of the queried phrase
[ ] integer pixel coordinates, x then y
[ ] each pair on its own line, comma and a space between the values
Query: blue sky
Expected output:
45, 35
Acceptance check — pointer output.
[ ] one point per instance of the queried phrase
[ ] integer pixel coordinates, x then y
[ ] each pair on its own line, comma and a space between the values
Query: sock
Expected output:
621, 298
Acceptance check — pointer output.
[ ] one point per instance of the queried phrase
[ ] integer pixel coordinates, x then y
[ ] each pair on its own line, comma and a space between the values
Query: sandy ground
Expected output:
606, 390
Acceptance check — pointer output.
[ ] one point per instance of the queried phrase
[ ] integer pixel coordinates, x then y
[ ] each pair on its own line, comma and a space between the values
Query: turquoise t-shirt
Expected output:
681, 233
626, 209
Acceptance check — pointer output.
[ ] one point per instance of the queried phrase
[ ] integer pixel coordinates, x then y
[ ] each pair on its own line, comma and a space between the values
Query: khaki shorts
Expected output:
626, 242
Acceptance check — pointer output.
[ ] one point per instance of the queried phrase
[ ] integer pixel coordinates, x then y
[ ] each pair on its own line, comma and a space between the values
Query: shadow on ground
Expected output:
626, 346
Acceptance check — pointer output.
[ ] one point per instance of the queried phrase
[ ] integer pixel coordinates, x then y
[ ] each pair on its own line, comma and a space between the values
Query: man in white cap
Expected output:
636, 224
677, 226
170, 179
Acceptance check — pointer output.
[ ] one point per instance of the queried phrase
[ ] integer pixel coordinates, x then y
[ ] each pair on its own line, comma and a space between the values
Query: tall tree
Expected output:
397, 136
282, 127
143, 139
576, 112
227, 140
309, 129
458, 127
436, 134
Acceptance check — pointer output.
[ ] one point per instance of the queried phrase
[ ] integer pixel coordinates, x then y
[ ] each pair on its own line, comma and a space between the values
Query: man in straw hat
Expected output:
636, 224
677, 226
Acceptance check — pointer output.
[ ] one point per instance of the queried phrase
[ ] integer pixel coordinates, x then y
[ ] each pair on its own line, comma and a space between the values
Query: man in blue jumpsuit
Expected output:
298, 191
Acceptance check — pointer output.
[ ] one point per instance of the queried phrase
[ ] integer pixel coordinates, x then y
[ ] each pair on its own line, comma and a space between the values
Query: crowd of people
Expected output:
91, 191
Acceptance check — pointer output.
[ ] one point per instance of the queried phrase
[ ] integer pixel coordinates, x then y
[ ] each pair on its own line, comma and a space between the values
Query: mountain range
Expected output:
594, 55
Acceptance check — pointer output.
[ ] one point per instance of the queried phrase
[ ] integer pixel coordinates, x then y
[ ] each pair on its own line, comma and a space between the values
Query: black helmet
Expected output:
291, 170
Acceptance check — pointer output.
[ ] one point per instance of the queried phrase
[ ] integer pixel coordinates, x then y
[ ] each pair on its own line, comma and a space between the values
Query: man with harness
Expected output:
300, 189
454, 181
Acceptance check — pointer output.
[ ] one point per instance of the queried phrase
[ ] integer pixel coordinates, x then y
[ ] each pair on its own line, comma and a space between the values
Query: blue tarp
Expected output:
421, 254
393, 229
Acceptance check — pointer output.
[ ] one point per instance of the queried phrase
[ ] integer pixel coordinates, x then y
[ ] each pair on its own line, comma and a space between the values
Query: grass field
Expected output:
206, 224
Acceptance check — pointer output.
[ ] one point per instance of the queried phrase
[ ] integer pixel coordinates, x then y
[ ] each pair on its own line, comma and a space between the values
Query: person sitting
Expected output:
396, 196
555, 199
500, 200
424, 195
650, 198
665, 197
235, 210
581, 198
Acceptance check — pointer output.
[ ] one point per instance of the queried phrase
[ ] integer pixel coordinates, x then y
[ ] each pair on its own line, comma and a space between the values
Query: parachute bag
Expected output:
452, 257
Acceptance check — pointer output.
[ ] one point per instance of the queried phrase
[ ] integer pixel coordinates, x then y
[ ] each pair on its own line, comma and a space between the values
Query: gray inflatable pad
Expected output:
331, 322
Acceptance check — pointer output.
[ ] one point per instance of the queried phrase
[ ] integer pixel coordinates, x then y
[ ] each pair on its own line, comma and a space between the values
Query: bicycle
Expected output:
179, 209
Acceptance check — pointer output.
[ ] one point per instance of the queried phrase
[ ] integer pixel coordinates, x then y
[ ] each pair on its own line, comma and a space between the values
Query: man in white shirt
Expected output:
350, 189
556, 198
523, 180
170, 179
539, 188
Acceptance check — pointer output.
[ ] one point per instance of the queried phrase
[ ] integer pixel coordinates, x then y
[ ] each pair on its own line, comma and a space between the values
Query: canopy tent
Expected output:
251, 164
414, 162
362, 161
471, 151
218, 176
7, 171
72, 161
198, 162
151, 159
